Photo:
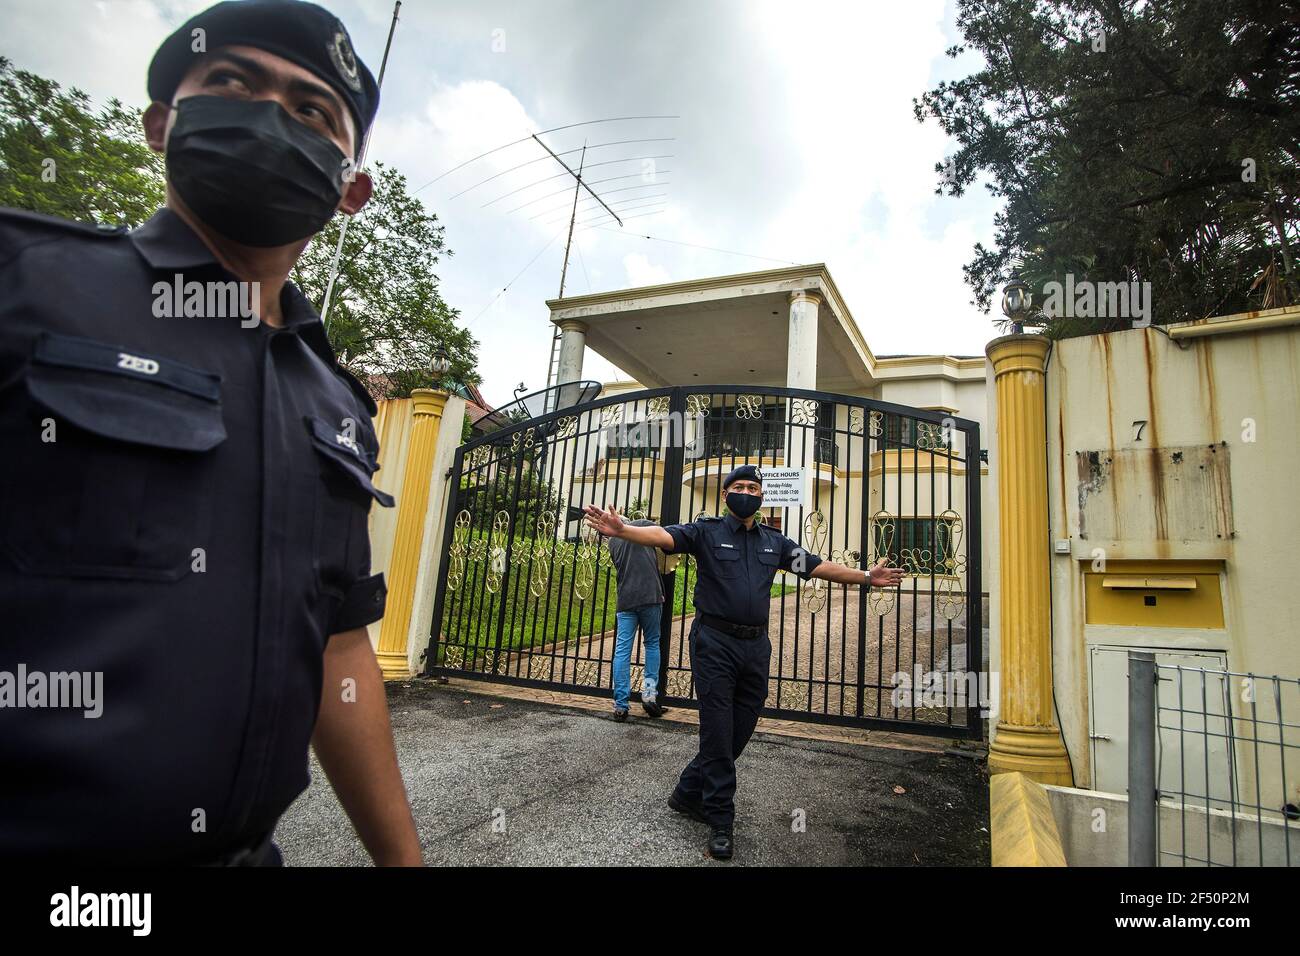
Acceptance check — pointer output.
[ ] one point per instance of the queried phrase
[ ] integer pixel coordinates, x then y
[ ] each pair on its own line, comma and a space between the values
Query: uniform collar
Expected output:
166, 242
735, 524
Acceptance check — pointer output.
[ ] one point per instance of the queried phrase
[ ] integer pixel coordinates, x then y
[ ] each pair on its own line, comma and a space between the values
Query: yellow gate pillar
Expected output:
403, 568
1027, 738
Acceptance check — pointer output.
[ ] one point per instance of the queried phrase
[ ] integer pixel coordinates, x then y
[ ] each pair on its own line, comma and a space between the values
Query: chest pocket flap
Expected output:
122, 488
126, 395
728, 559
769, 556
348, 458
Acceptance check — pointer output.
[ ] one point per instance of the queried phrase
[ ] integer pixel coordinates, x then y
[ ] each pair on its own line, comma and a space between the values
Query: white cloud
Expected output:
641, 271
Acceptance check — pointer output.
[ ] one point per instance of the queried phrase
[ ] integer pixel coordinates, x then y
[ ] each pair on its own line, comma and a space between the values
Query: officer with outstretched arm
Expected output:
738, 558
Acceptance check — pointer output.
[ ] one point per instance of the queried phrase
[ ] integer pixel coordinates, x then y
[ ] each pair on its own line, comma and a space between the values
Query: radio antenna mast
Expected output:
361, 161
564, 270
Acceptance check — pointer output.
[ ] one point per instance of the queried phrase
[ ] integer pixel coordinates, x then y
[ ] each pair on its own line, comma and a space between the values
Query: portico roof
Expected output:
734, 328
721, 329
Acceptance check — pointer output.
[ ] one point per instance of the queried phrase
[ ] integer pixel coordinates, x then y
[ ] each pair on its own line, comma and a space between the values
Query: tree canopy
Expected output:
386, 317
1132, 141
60, 157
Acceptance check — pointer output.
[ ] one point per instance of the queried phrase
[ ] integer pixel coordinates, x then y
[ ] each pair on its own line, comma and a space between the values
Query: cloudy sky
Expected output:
793, 141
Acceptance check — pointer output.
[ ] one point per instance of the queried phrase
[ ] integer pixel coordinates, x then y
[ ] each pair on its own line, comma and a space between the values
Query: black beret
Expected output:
750, 472
301, 32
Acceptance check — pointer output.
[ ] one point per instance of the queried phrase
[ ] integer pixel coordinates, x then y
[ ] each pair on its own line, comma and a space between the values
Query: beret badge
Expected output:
344, 60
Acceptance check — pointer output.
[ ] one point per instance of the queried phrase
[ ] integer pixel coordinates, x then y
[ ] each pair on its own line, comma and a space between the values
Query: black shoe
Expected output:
689, 808
620, 715
652, 707
720, 844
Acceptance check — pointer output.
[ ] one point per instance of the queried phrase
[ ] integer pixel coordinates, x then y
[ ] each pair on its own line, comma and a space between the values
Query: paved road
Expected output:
497, 781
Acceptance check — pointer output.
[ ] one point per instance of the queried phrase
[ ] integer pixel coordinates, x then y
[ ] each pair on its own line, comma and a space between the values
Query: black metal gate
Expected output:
527, 593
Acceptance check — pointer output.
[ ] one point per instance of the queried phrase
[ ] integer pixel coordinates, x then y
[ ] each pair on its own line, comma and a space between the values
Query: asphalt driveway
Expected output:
500, 781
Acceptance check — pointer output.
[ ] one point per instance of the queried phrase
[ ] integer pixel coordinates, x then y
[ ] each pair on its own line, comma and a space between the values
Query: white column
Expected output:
801, 372
573, 341
801, 355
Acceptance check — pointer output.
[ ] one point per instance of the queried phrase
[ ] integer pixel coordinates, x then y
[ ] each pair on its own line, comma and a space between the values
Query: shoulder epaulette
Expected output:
39, 220
366, 398
316, 339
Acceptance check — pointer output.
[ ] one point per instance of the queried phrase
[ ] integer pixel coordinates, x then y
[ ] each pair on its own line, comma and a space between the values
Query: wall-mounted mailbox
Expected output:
1149, 582
1155, 594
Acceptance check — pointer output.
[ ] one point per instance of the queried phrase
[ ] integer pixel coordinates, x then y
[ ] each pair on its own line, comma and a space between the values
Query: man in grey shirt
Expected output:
640, 601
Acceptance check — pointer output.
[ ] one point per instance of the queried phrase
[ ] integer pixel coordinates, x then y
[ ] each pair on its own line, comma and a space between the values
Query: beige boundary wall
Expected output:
1178, 448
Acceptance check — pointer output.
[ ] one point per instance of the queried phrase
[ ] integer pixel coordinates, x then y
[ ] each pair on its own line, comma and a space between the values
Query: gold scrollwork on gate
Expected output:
657, 406
930, 435
524, 439
496, 551
611, 415
566, 426
459, 549
480, 456
543, 547
950, 562
848, 558
803, 411
697, 406
679, 683
487, 662
587, 561
881, 601
586, 673
814, 541
749, 406
875, 424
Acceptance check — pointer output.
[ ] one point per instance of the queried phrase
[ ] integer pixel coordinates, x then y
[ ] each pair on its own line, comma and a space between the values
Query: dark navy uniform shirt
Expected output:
183, 510
737, 566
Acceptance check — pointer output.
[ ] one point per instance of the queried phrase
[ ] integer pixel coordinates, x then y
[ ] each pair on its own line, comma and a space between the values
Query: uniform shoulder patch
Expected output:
38, 222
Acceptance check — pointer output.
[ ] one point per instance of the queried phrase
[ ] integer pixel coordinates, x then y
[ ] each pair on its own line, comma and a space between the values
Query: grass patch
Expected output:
472, 614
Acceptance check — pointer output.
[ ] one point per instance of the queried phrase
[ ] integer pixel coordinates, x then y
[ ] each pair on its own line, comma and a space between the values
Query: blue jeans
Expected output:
647, 615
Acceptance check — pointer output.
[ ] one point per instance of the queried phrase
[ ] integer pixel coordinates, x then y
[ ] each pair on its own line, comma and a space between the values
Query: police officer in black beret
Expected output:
738, 558
184, 559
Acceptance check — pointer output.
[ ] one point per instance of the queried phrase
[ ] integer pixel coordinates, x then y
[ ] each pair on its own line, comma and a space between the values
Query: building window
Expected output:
911, 433
917, 545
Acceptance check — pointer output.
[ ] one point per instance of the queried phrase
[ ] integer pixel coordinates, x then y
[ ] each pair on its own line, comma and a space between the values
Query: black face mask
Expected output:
742, 505
251, 171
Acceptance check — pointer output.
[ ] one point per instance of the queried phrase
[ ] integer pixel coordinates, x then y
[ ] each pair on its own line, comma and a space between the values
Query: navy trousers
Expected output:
731, 685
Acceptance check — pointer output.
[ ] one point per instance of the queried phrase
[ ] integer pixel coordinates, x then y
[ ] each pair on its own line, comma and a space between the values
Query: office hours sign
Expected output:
784, 487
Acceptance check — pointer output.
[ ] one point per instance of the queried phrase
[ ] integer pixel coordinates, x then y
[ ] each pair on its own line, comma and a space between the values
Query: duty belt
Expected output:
746, 632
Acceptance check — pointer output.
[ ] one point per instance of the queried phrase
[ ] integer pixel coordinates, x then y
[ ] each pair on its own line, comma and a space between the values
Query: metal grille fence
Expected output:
1222, 749
529, 594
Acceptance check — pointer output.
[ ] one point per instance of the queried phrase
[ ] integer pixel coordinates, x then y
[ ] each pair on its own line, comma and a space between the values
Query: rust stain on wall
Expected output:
1160, 506
1179, 493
